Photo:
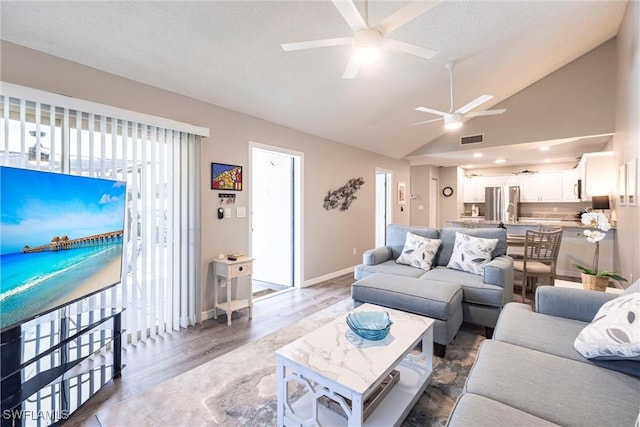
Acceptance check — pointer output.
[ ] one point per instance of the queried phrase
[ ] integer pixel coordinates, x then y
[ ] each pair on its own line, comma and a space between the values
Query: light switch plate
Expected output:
227, 212
241, 212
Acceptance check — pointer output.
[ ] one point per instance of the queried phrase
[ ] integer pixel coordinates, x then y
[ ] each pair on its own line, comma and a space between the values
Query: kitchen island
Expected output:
574, 248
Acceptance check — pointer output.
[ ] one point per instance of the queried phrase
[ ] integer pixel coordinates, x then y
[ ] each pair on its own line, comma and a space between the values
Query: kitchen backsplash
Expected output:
539, 210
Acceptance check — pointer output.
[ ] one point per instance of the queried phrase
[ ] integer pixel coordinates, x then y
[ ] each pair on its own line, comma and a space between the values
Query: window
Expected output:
159, 160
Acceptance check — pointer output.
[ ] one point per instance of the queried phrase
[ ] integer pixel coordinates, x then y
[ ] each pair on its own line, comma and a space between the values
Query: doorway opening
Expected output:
383, 205
276, 212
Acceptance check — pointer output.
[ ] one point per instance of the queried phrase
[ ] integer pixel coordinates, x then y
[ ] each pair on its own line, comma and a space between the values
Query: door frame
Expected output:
298, 194
388, 206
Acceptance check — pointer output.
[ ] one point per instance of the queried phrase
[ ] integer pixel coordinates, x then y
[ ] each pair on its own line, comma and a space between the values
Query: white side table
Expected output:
225, 272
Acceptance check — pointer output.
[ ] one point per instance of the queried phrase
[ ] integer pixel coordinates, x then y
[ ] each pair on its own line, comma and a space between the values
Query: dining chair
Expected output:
540, 257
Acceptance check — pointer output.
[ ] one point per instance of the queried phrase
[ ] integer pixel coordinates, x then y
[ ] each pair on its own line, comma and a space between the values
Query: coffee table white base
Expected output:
327, 349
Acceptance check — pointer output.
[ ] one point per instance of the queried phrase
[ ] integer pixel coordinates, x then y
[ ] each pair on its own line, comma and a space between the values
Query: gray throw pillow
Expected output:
614, 332
418, 251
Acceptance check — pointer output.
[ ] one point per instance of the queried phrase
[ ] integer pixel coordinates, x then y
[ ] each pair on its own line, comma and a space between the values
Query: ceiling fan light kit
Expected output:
453, 119
366, 45
367, 40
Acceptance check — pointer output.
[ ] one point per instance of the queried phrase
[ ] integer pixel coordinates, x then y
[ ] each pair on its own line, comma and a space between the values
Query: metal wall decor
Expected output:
344, 196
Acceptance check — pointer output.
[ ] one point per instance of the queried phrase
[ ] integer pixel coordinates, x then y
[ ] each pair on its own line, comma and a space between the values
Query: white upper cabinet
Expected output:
474, 189
570, 186
541, 187
502, 180
598, 174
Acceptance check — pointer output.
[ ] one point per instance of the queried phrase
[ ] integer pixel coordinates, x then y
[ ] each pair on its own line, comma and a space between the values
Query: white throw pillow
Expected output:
614, 332
418, 251
471, 253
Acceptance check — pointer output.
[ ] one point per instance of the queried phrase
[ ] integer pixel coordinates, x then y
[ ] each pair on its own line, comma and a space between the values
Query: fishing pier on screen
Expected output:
62, 243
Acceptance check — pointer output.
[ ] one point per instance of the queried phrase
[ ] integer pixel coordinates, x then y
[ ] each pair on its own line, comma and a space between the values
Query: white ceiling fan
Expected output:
453, 119
368, 40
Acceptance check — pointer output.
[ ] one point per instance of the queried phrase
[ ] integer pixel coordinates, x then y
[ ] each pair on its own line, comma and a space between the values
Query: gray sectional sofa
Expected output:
529, 374
447, 295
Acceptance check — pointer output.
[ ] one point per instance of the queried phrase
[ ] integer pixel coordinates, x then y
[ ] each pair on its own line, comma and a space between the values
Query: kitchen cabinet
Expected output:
502, 180
570, 186
541, 187
598, 174
474, 189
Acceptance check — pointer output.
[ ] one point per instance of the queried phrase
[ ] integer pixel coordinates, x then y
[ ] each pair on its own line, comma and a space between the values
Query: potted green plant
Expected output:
593, 279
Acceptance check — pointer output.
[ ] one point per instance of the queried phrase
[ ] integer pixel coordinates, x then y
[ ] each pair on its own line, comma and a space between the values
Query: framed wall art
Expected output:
622, 185
632, 183
226, 177
402, 193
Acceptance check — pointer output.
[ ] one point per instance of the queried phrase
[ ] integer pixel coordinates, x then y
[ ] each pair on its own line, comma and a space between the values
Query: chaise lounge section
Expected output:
450, 296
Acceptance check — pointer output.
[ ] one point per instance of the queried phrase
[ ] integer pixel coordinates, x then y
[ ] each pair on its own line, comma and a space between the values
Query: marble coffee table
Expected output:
332, 362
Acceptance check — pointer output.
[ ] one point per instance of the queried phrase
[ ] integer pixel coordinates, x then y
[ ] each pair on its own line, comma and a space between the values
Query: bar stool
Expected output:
540, 257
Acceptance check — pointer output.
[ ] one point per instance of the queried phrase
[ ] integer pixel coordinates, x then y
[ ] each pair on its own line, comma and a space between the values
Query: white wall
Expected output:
329, 236
627, 138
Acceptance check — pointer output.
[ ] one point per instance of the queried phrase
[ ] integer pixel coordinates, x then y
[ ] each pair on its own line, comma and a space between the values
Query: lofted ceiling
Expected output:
228, 53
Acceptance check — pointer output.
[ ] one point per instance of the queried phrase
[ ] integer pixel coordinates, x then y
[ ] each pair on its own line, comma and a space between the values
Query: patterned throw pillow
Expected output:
614, 332
418, 251
471, 253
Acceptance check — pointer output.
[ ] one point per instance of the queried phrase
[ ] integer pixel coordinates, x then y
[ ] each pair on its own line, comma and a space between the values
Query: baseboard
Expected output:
329, 276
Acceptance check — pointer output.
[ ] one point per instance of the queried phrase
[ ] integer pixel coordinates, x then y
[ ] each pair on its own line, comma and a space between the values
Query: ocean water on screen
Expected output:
35, 282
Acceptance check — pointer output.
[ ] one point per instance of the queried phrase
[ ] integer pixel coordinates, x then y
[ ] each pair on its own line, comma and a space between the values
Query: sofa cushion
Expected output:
448, 237
473, 410
471, 253
396, 235
519, 325
474, 289
614, 333
418, 251
409, 294
556, 389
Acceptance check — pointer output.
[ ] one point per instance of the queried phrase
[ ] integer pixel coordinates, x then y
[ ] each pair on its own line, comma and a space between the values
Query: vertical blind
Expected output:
161, 275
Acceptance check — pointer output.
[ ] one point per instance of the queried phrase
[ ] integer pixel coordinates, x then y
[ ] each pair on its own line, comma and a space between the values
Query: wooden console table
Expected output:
225, 272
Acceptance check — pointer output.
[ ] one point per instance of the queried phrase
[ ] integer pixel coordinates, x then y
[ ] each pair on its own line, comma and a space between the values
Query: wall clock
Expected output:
447, 191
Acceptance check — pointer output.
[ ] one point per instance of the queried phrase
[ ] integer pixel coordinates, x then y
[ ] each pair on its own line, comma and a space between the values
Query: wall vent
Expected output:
471, 139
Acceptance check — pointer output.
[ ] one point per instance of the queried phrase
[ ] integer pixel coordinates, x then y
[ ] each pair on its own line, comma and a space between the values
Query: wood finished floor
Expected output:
162, 358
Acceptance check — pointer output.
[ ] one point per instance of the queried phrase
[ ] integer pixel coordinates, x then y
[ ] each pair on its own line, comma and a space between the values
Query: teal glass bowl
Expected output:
370, 325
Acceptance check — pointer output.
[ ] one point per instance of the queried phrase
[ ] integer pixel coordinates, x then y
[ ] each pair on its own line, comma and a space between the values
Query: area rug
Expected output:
239, 388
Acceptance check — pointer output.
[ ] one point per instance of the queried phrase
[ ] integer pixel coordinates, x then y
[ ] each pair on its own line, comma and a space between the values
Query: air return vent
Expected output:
471, 139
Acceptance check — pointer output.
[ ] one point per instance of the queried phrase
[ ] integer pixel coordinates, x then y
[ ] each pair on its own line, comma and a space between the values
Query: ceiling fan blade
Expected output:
411, 49
485, 113
473, 104
404, 15
429, 110
316, 43
351, 70
350, 13
427, 121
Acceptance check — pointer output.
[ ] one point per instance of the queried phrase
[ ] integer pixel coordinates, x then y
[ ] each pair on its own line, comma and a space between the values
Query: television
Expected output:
61, 240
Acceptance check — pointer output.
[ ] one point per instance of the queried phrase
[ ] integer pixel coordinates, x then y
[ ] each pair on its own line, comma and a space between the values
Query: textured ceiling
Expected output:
228, 54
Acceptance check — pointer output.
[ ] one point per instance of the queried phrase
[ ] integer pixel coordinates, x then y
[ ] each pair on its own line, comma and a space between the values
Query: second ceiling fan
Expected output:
453, 119
368, 40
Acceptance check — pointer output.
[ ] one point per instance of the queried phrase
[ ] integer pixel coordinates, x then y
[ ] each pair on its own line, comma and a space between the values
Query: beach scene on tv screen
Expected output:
61, 238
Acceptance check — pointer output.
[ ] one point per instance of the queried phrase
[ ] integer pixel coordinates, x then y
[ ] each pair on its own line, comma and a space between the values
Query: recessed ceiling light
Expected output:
500, 160
545, 148
477, 155
467, 167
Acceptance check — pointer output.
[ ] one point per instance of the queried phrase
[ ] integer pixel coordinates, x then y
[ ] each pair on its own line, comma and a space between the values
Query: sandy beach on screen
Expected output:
88, 286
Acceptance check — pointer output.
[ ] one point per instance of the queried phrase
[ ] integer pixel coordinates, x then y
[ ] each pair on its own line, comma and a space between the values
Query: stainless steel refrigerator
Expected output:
502, 203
